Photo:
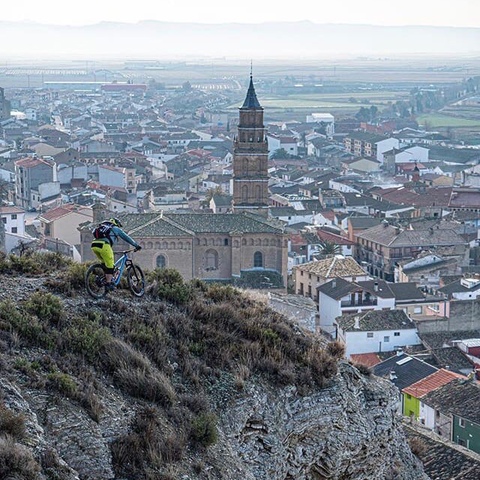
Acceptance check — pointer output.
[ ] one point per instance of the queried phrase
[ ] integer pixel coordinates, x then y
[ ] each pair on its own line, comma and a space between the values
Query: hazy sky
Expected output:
464, 13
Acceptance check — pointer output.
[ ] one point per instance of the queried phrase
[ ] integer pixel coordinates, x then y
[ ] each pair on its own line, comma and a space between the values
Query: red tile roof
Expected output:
58, 212
334, 238
430, 383
367, 359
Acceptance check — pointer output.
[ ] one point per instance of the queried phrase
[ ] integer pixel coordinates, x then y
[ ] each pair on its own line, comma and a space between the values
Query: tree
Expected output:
329, 248
213, 191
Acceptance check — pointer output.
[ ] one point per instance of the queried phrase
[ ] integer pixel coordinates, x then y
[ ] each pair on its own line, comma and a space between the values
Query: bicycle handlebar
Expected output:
123, 252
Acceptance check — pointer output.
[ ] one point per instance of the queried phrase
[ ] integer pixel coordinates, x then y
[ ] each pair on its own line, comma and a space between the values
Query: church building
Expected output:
244, 247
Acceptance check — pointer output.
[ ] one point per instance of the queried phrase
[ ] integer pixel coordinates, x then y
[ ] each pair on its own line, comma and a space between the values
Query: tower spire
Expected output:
251, 100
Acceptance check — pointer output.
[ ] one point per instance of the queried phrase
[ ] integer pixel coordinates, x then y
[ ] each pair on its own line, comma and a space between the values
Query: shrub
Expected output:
150, 385
70, 280
92, 404
167, 284
336, 349
45, 306
16, 462
62, 382
148, 446
134, 373
363, 369
25, 325
86, 337
221, 293
11, 423
204, 430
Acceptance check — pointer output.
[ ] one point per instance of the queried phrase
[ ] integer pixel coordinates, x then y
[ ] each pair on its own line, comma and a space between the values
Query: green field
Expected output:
445, 121
341, 103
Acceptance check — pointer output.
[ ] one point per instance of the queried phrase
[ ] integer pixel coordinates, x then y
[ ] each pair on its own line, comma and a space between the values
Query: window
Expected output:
417, 310
4, 219
14, 216
244, 193
396, 334
211, 260
369, 334
14, 229
461, 422
386, 339
161, 261
258, 260
225, 242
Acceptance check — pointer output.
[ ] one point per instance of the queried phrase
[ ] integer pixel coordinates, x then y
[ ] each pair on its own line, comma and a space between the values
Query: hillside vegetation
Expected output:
179, 354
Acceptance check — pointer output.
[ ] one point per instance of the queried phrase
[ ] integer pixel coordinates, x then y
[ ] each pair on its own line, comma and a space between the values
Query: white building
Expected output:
386, 145
340, 296
13, 220
277, 142
326, 118
375, 331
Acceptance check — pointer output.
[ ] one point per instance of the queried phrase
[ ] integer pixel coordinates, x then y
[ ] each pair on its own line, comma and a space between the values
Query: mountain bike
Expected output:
96, 282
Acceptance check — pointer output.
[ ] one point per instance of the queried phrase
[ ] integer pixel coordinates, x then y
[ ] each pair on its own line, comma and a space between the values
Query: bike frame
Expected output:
120, 265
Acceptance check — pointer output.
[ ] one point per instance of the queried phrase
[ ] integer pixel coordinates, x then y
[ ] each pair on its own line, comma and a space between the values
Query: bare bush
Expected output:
16, 461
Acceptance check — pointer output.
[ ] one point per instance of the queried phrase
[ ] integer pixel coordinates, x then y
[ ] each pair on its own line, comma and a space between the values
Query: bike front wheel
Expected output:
136, 280
95, 281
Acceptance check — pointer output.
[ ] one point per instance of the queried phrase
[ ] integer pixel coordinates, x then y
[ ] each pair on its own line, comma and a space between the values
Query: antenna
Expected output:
251, 68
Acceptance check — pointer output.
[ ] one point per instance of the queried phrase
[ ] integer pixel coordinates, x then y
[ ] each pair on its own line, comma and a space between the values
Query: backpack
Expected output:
102, 230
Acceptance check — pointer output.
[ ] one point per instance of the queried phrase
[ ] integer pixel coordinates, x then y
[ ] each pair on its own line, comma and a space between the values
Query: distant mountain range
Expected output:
153, 39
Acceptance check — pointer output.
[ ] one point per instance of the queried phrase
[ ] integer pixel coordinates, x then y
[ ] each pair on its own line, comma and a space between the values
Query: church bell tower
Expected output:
250, 158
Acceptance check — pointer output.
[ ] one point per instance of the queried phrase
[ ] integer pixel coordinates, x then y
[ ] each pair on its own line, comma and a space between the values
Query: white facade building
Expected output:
376, 331
326, 118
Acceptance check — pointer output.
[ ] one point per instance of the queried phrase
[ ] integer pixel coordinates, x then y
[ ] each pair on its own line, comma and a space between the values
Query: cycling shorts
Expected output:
104, 252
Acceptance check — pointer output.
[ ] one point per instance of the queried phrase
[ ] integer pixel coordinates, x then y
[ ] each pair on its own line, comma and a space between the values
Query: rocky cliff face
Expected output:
347, 429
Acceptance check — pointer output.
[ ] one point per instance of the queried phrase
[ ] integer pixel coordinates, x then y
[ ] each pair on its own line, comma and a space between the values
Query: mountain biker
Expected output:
106, 234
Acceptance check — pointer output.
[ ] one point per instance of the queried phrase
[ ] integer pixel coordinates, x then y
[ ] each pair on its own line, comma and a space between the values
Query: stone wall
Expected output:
464, 315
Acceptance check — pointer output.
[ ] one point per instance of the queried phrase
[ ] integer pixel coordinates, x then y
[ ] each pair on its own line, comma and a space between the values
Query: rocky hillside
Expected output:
190, 382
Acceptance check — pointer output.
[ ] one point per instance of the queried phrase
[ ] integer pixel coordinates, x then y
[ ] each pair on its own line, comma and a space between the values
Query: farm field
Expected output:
335, 103
444, 121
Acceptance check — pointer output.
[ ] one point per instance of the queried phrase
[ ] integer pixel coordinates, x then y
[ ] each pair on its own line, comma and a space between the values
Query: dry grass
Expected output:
16, 461
11, 424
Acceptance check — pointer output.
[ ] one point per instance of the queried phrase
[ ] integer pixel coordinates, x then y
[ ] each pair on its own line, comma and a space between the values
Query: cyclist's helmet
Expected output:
116, 222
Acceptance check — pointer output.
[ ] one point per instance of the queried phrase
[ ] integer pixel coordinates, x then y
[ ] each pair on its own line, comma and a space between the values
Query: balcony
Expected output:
358, 303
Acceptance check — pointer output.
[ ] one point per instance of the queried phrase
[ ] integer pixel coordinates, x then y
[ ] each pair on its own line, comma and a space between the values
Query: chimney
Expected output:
334, 283
399, 352
392, 375
375, 287
99, 212
357, 322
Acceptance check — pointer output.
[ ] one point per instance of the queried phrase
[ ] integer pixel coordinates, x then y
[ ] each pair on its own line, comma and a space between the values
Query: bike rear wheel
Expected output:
136, 280
95, 281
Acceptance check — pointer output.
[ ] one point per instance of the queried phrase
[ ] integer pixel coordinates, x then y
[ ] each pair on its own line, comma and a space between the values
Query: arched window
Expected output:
258, 192
211, 260
258, 260
244, 193
161, 261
